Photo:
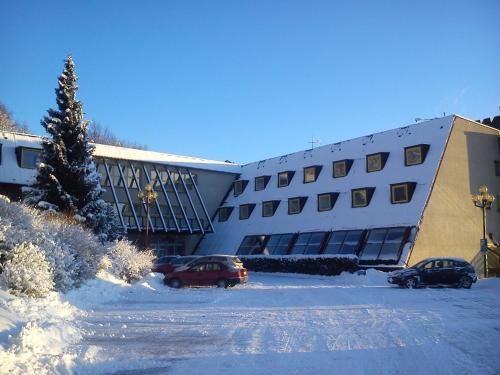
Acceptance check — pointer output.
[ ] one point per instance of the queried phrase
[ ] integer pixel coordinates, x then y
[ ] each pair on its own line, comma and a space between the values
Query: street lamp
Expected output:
148, 197
483, 200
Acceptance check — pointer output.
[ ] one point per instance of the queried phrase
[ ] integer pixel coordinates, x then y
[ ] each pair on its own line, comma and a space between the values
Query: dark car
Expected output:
436, 271
173, 263
207, 273
158, 262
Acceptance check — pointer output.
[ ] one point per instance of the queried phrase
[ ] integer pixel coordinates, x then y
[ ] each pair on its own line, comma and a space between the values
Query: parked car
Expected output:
173, 263
158, 262
228, 260
435, 271
205, 273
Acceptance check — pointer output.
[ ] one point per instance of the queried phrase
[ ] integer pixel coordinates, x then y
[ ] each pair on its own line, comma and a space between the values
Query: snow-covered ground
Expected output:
276, 324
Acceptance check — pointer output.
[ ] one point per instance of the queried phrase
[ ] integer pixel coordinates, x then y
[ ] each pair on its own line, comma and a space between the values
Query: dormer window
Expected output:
246, 211
284, 178
415, 155
295, 205
225, 213
326, 201
269, 208
239, 187
311, 173
261, 182
376, 162
361, 197
402, 192
341, 168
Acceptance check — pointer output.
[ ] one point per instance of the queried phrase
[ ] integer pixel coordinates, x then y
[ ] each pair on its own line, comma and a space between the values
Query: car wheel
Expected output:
465, 282
175, 283
411, 283
222, 283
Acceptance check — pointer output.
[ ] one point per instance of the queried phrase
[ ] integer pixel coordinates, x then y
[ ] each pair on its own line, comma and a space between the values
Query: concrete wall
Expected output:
451, 224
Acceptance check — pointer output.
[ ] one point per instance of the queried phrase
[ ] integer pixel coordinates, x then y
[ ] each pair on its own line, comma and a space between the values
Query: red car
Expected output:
207, 273
171, 264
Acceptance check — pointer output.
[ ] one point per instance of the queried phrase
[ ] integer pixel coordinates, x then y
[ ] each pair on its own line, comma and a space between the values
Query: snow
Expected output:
275, 324
379, 213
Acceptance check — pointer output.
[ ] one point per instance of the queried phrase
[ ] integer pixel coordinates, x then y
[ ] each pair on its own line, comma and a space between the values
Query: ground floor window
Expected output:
308, 243
251, 245
279, 244
344, 242
384, 244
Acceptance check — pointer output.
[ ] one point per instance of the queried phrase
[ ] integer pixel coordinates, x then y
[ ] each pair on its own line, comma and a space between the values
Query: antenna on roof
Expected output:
314, 141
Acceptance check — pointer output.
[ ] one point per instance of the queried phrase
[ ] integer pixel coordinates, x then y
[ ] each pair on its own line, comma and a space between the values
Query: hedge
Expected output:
313, 265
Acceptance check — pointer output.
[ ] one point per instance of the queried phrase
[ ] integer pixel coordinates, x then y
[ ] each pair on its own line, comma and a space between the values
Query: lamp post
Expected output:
483, 200
147, 197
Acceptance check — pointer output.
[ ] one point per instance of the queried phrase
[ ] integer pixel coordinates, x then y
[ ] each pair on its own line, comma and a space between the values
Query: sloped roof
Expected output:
380, 212
10, 171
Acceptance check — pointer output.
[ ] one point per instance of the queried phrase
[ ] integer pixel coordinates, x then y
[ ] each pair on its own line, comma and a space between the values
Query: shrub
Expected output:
126, 262
27, 272
73, 252
313, 265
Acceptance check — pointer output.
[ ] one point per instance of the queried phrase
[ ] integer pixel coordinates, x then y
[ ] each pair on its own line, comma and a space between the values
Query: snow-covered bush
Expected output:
26, 271
126, 262
73, 252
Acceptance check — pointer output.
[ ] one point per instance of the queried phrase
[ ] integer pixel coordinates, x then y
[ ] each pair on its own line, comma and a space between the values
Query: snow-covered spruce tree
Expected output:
67, 179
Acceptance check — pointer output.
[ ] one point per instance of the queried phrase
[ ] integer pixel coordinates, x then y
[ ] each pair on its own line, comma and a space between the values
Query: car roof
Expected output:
446, 258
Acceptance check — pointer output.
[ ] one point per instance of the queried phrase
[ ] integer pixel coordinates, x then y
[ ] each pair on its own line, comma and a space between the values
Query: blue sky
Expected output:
247, 80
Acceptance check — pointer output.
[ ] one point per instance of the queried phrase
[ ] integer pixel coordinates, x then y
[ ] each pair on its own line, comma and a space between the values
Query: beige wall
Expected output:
452, 225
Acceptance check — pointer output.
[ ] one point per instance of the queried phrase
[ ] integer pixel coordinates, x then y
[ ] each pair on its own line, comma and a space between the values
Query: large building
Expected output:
189, 189
391, 198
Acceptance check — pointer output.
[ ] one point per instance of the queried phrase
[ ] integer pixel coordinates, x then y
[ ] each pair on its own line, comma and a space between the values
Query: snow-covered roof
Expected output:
379, 213
10, 172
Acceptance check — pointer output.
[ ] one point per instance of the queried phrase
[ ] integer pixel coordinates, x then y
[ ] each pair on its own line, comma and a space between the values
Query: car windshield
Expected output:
421, 264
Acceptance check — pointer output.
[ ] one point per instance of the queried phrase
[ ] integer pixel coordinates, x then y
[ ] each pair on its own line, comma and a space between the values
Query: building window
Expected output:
278, 244
225, 213
295, 205
415, 155
239, 187
362, 197
344, 242
246, 211
269, 208
326, 201
497, 166
384, 244
341, 168
308, 243
311, 173
284, 178
252, 245
27, 157
402, 192
261, 182
376, 162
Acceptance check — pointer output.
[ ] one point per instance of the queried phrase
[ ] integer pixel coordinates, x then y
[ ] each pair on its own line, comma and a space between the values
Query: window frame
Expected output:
250, 207
274, 206
20, 155
383, 160
368, 196
228, 210
377, 258
359, 244
263, 239
424, 149
289, 177
302, 201
410, 189
316, 169
333, 199
242, 183
265, 182
290, 244
325, 235
347, 167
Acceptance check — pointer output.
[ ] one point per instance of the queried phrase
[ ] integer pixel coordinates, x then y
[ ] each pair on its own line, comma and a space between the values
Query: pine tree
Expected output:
67, 180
